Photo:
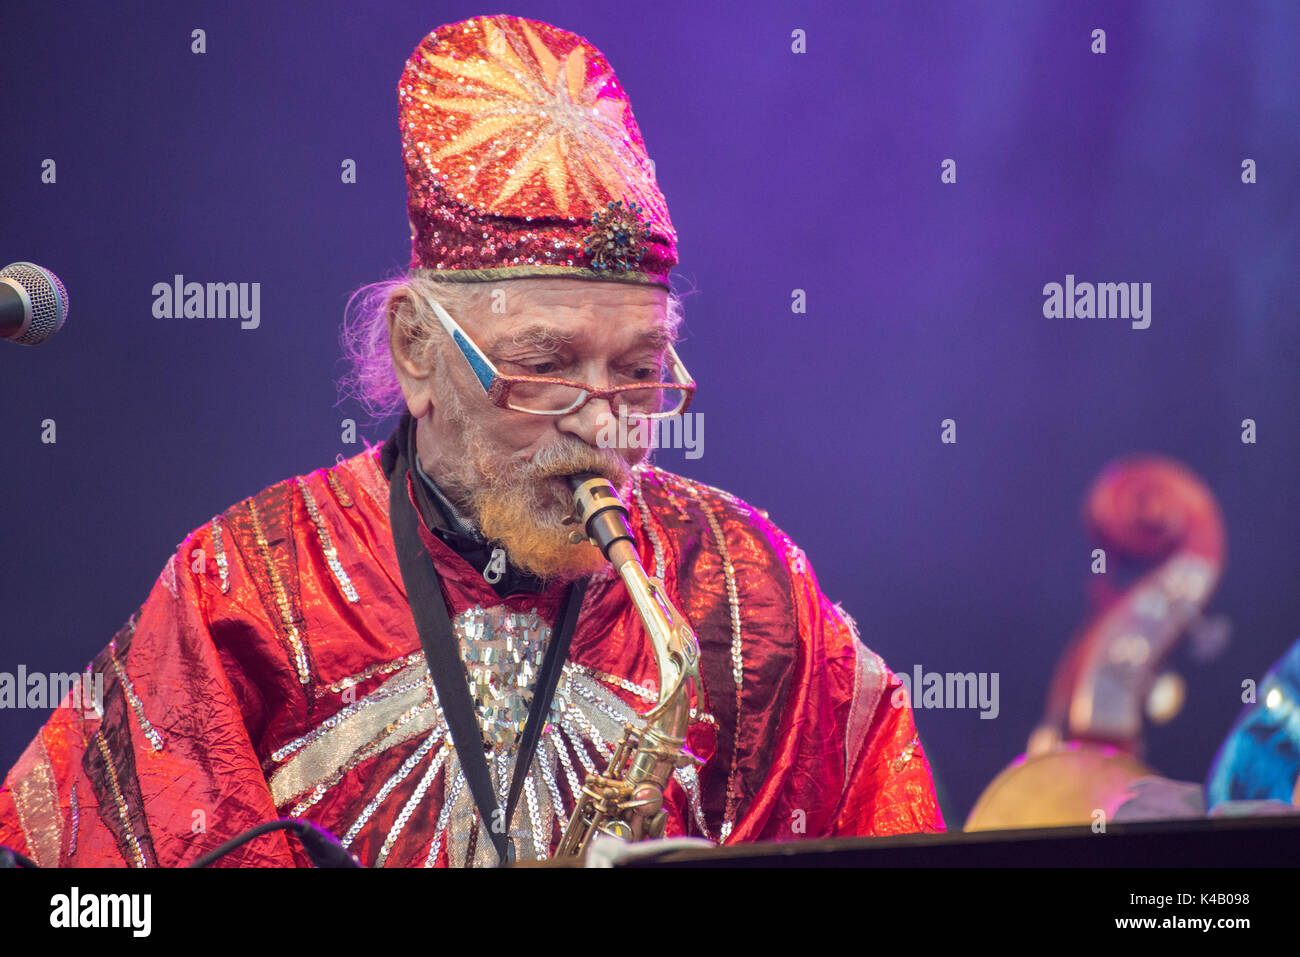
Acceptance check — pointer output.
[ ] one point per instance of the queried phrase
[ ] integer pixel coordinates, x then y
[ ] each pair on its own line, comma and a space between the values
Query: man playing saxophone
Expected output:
422, 648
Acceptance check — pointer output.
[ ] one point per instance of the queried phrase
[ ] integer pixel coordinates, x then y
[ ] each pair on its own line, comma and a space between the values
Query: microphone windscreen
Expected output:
48, 297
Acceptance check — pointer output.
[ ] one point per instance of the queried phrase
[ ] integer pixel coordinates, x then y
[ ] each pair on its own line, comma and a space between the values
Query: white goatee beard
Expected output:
519, 505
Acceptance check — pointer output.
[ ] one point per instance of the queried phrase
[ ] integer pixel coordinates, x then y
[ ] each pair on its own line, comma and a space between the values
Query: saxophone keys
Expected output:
655, 827
618, 829
687, 759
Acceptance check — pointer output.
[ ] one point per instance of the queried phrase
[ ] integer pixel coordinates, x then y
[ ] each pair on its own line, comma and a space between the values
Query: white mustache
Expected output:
570, 458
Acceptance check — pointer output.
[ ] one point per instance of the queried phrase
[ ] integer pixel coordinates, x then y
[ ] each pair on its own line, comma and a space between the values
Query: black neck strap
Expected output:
442, 652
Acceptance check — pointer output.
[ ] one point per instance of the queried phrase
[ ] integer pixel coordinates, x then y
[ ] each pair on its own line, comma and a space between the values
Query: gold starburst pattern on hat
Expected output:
524, 124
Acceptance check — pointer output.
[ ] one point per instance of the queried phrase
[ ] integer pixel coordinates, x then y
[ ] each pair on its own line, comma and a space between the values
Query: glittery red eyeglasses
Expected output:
544, 395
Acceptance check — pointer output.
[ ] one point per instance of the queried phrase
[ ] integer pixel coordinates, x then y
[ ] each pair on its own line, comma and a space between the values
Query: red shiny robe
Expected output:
275, 670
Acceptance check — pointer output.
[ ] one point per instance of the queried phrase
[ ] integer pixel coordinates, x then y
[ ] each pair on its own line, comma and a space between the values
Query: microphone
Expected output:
33, 304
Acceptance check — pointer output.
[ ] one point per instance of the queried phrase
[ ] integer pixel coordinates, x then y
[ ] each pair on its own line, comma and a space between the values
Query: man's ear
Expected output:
402, 347
414, 374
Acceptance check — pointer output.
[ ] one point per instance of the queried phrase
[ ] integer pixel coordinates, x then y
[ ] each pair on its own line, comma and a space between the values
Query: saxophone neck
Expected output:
605, 519
677, 652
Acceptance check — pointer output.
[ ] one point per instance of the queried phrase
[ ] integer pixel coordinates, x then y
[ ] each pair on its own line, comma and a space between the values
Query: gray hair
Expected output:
371, 379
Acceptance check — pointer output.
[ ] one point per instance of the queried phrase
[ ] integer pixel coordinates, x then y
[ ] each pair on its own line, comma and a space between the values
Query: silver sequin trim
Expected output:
137, 706
87, 679
218, 547
386, 789
291, 634
644, 692
76, 822
541, 836
562, 752
868, 686
737, 657
547, 769
648, 525
451, 796
392, 735
343, 684
168, 576
412, 803
587, 716
327, 544
379, 694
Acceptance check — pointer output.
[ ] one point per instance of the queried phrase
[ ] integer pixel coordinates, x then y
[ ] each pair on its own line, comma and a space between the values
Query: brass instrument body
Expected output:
626, 801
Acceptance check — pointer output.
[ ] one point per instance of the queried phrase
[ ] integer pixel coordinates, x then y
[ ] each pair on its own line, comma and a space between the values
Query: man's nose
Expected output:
595, 423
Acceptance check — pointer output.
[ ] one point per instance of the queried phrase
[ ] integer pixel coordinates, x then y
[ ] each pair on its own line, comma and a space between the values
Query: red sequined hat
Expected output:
523, 159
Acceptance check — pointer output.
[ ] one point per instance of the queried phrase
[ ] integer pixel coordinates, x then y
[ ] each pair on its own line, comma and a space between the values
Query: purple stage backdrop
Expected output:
870, 198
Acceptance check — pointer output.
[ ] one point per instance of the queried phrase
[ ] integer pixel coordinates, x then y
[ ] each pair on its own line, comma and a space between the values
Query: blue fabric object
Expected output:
1260, 759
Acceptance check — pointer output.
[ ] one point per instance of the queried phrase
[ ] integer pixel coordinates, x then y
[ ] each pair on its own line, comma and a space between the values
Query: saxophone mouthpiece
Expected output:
577, 479
603, 516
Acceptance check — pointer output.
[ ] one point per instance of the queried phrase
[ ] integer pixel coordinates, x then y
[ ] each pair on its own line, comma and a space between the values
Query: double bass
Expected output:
1088, 747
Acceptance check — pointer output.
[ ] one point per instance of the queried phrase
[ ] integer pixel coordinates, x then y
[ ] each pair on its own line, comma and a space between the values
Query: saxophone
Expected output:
626, 801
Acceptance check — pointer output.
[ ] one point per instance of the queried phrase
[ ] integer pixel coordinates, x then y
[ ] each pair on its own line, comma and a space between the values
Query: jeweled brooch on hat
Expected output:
617, 237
